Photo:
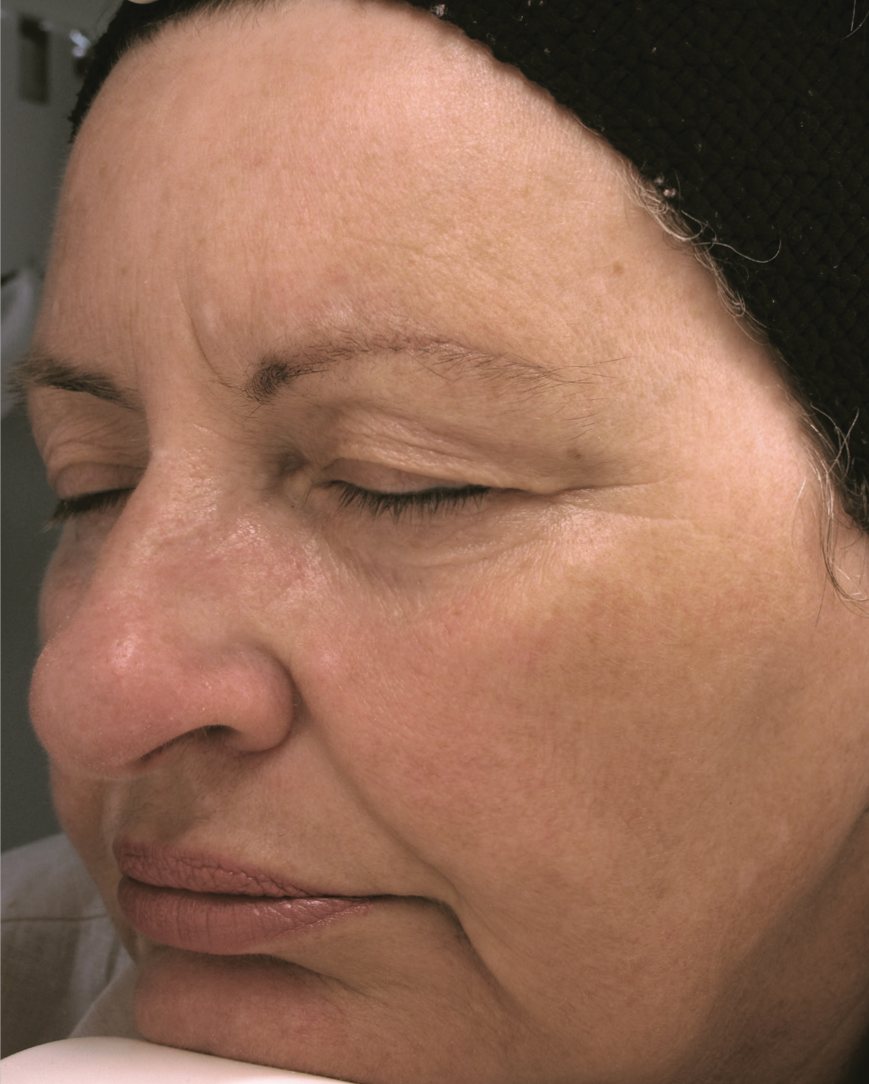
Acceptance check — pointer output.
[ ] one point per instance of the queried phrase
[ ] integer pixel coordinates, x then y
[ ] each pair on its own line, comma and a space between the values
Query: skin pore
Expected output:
432, 535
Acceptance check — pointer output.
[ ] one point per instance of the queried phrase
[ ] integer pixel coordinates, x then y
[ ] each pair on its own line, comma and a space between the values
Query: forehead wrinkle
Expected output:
447, 359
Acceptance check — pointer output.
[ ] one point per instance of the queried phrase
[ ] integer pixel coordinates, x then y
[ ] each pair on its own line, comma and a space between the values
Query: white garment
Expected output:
65, 972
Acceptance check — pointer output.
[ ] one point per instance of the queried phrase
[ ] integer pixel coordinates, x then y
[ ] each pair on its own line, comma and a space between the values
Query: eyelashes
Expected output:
426, 501
68, 508
397, 505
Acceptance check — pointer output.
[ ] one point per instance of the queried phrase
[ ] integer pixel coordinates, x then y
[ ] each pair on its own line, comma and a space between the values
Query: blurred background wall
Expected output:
42, 46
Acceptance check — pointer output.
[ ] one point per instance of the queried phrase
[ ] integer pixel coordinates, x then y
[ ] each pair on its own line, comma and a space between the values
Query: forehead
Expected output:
244, 179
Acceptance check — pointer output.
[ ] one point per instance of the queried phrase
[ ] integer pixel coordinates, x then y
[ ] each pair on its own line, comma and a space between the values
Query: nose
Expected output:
153, 639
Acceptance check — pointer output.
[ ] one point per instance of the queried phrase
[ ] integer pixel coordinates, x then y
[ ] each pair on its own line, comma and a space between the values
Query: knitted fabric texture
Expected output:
750, 116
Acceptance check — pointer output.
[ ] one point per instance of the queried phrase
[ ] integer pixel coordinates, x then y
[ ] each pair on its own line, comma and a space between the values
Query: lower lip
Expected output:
224, 925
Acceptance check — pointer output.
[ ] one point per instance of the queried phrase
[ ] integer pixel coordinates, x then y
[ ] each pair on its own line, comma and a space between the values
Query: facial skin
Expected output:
594, 742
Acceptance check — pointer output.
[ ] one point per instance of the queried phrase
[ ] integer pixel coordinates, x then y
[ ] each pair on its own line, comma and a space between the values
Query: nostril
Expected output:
202, 734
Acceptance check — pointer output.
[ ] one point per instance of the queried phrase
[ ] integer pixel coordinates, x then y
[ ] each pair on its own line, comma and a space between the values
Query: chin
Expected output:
269, 1012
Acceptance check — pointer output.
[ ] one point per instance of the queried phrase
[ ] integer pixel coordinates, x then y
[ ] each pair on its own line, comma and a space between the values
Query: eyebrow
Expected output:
449, 359
279, 370
40, 371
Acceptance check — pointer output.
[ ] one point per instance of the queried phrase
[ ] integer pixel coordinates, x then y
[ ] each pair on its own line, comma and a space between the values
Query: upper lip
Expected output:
198, 871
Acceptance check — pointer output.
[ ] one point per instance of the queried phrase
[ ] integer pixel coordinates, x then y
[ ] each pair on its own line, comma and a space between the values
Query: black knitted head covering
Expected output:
750, 116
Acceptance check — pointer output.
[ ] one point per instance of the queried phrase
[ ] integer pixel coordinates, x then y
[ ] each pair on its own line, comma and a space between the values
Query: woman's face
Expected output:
465, 577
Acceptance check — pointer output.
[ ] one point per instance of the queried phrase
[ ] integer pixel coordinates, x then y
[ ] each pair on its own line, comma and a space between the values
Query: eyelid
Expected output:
68, 508
78, 475
382, 478
428, 501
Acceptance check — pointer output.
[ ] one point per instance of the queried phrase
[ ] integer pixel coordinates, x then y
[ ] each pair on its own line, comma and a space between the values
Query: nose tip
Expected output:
103, 706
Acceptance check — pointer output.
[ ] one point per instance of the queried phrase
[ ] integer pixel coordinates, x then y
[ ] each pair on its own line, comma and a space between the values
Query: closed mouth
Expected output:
201, 903
196, 871
223, 924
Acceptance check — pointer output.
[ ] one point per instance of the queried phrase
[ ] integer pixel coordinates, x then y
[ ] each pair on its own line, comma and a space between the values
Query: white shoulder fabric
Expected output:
131, 1061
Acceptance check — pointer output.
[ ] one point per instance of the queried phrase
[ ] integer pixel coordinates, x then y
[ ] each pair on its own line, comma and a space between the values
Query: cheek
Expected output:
83, 804
588, 752
56, 598
78, 801
83, 808
597, 696
66, 578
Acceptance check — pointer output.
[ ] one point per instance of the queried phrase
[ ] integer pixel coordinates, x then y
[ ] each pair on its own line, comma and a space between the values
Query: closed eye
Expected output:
428, 501
69, 507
